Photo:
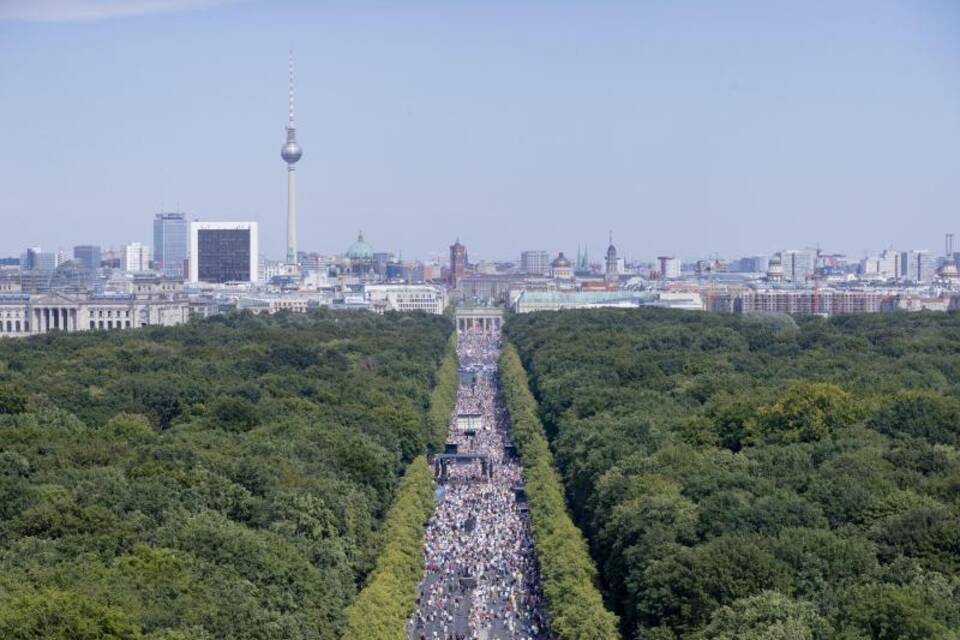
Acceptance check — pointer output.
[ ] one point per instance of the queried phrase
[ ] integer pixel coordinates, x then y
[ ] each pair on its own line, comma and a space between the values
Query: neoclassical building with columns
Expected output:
25, 315
487, 320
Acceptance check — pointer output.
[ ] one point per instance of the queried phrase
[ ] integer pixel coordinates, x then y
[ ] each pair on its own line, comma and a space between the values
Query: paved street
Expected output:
482, 578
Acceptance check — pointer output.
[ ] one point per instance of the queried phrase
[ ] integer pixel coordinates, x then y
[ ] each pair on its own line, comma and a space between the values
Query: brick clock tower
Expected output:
458, 263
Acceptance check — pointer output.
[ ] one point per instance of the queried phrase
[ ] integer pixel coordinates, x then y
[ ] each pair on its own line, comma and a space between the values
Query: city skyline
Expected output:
675, 136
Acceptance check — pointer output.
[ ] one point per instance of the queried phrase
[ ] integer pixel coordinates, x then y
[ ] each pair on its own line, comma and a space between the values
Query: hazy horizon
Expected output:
686, 129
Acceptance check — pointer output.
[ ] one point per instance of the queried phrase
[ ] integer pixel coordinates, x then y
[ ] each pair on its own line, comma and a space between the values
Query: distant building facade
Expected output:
458, 263
150, 302
171, 232
917, 266
884, 266
535, 263
488, 288
271, 304
753, 264
135, 258
224, 252
532, 301
88, 255
793, 301
406, 297
669, 267
797, 265
35, 259
10, 280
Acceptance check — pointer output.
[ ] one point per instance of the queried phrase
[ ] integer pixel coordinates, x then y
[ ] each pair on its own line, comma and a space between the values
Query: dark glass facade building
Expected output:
223, 255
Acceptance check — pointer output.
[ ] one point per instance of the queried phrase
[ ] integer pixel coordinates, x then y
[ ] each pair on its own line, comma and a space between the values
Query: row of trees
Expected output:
222, 479
385, 604
757, 477
573, 601
444, 397
388, 599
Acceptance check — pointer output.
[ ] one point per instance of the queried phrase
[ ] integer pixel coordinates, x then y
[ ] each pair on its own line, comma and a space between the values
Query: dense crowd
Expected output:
482, 580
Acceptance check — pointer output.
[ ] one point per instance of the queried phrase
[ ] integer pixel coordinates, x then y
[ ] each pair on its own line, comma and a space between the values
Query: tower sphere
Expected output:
291, 152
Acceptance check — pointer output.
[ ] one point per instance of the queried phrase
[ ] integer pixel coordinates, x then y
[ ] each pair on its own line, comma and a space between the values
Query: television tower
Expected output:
291, 152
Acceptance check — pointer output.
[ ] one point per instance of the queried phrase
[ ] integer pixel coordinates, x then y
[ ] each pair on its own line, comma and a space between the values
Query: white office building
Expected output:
669, 267
884, 266
535, 263
405, 297
917, 266
797, 265
135, 258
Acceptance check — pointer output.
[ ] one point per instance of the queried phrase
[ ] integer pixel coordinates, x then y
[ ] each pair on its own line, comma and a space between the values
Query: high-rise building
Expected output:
753, 264
885, 265
224, 252
170, 231
669, 267
916, 265
291, 153
797, 265
88, 255
535, 263
135, 258
36, 259
380, 261
888, 264
458, 263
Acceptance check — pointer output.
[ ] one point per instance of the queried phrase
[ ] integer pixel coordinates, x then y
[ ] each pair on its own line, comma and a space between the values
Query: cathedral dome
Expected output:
560, 261
360, 250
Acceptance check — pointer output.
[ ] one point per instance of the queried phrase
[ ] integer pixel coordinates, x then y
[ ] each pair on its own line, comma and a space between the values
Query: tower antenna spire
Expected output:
291, 153
290, 89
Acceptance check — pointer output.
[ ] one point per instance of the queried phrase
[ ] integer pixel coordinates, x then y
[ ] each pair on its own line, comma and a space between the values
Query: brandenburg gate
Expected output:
487, 320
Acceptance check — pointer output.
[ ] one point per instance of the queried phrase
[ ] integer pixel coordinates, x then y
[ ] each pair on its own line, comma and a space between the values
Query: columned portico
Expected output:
486, 320
23, 314
45, 317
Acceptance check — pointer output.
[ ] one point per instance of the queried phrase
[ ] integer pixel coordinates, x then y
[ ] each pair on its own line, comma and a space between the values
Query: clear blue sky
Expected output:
687, 128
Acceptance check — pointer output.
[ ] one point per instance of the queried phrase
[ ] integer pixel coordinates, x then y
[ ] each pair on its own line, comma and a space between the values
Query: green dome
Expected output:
360, 250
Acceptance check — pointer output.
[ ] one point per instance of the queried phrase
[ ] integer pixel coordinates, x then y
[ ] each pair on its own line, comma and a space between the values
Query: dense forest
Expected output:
223, 479
568, 576
759, 477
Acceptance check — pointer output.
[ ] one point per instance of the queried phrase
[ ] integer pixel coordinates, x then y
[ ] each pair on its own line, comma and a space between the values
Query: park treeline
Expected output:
573, 601
758, 477
386, 602
223, 479
443, 398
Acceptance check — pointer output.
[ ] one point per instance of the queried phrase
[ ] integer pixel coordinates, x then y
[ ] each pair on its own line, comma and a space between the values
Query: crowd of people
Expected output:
482, 580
